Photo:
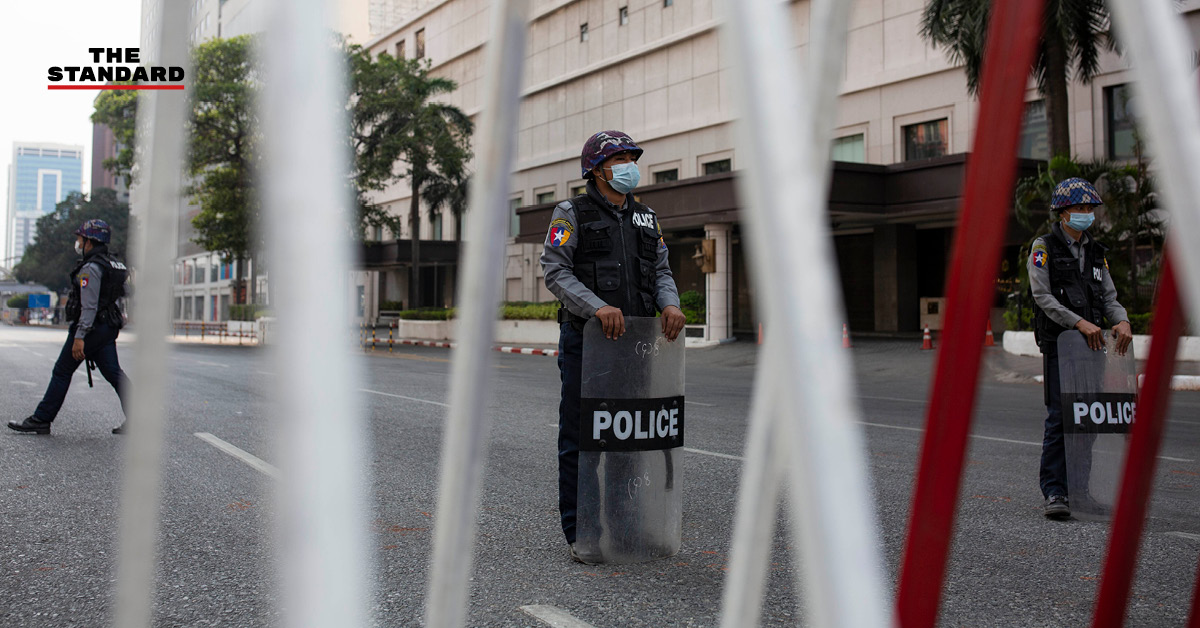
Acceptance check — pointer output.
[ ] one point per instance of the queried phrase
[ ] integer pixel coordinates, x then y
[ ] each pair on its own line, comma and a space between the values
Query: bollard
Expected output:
372, 336
391, 326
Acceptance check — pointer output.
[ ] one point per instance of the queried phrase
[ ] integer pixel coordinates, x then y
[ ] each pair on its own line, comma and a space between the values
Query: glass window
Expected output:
421, 44
436, 223
666, 176
581, 189
178, 307
583, 32
1119, 127
545, 197
623, 16
514, 221
926, 139
362, 300
1035, 132
717, 167
214, 272
198, 276
187, 308
199, 311
400, 53
852, 148
378, 233
667, 3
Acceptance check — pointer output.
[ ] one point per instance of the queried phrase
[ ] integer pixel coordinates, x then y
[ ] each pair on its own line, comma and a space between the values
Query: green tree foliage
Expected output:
400, 130
1074, 33
117, 109
51, 257
222, 159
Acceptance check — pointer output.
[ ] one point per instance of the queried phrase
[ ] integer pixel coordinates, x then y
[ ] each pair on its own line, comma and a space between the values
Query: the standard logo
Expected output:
106, 70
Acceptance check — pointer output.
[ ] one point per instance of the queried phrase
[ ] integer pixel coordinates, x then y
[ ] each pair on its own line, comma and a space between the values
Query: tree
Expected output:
51, 257
117, 109
396, 118
1073, 34
223, 152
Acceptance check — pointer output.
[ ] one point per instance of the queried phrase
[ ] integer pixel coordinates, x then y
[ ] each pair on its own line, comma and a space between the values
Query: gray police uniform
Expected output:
598, 254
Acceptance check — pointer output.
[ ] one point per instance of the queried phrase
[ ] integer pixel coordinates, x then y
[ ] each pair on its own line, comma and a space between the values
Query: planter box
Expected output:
422, 330
1022, 343
524, 333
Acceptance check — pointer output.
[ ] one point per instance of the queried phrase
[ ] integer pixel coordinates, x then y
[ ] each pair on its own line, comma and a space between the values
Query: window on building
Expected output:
514, 221
579, 189
583, 32
214, 272
199, 271
400, 52
1118, 118
420, 52
851, 148
623, 16
378, 233
668, 3
1035, 132
187, 308
926, 139
666, 176
199, 311
178, 308
545, 197
719, 166
436, 223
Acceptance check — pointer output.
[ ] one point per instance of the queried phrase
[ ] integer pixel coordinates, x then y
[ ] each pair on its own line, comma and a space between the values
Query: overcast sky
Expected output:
35, 36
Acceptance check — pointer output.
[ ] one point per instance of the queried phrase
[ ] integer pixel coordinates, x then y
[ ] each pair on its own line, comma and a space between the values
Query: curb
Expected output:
451, 345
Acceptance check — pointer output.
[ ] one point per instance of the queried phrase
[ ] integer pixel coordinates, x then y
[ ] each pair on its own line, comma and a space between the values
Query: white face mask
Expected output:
78, 248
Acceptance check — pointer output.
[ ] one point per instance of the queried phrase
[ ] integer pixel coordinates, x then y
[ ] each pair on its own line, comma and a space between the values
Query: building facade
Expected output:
41, 175
656, 69
105, 146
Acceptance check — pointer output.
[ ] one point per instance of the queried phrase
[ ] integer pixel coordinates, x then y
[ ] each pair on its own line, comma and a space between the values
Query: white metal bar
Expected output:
326, 570
156, 197
1168, 109
464, 449
785, 196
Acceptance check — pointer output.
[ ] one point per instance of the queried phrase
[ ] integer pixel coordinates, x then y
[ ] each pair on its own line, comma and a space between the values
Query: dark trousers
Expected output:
1054, 457
100, 346
570, 368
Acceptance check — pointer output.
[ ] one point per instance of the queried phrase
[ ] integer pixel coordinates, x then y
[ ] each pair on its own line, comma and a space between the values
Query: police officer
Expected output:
605, 258
1072, 289
97, 285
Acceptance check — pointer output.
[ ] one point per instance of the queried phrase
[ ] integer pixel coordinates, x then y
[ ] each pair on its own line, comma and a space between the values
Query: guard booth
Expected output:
630, 499
1098, 397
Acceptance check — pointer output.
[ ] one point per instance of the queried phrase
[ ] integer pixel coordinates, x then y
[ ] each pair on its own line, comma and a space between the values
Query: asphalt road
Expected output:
1010, 567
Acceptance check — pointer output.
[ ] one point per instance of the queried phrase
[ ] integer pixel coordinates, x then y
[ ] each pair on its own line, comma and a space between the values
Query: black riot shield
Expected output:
1099, 396
631, 437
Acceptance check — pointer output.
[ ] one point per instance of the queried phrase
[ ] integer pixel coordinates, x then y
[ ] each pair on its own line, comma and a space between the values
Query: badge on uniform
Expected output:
1039, 255
560, 232
83, 281
662, 244
1097, 274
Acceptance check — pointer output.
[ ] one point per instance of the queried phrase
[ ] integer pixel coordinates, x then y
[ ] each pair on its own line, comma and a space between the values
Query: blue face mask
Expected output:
1081, 222
625, 177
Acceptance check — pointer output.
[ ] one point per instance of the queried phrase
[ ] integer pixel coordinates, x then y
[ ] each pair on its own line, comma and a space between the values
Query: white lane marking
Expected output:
246, 457
892, 399
23, 383
697, 403
264, 372
713, 454
224, 366
433, 403
994, 438
1185, 535
554, 616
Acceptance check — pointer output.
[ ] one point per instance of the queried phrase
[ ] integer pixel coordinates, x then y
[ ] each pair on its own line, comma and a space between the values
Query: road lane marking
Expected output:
993, 438
1185, 535
713, 454
224, 366
891, 399
697, 403
554, 616
23, 383
246, 457
432, 403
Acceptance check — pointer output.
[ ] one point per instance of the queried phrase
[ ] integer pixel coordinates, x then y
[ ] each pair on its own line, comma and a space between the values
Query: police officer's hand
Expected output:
612, 320
77, 349
1094, 335
1124, 336
672, 322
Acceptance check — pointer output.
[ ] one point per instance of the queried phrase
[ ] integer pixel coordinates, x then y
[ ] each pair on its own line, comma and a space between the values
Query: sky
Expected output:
35, 36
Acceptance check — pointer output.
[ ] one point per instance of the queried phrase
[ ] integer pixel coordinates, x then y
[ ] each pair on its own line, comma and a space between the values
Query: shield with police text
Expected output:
1098, 397
631, 424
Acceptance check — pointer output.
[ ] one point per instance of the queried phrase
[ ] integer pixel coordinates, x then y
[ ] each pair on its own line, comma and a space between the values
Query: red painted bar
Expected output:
1013, 33
1125, 538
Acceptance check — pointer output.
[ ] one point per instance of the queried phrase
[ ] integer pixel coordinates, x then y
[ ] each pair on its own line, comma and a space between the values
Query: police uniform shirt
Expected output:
89, 297
1039, 283
559, 269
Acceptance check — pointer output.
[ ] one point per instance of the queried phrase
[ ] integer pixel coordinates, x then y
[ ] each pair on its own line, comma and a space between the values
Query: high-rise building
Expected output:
40, 176
105, 146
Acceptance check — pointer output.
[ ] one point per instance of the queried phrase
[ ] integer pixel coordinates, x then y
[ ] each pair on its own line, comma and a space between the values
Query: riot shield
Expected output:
1098, 397
631, 437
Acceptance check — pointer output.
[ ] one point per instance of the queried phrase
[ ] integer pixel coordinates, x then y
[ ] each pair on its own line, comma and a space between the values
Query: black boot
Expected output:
31, 425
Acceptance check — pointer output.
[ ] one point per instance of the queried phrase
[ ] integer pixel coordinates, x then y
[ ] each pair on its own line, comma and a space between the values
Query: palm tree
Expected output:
1074, 32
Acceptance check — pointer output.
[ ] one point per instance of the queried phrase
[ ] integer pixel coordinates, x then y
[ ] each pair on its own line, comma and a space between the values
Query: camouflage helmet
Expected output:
95, 229
1074, 191
603, 145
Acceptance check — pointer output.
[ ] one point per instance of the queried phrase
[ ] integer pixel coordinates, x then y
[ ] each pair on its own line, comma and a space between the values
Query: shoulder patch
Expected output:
83, 280
1039, 255
560, 232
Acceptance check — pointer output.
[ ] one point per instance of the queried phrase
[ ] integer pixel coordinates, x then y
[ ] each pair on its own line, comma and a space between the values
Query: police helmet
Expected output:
95, 229
1074, 191
603, 145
